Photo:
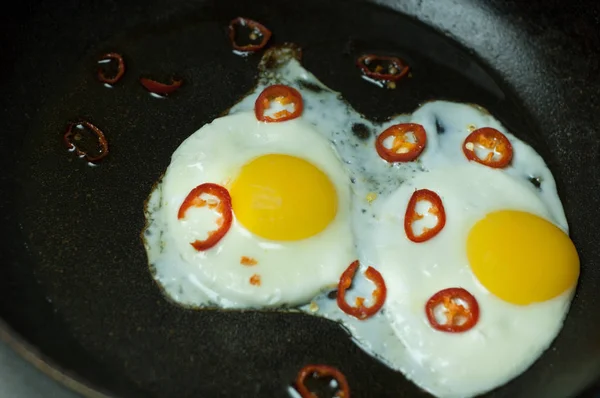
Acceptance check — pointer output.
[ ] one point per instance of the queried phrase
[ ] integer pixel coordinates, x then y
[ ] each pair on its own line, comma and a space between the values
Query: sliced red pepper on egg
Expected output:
160, 88
380, 67
282, 94
459, 318
257, 31
408, 143
436, 209
321, 371
120, 68
359, 310
488, 139
194, 199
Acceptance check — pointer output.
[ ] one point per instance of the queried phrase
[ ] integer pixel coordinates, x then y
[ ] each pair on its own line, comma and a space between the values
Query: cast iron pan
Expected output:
76, 296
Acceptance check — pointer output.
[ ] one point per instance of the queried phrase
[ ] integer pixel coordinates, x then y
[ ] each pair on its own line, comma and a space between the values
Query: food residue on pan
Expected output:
336, 381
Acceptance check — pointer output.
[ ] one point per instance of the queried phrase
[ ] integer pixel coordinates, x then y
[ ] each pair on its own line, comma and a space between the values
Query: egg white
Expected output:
291, 272
456, 122
508, 338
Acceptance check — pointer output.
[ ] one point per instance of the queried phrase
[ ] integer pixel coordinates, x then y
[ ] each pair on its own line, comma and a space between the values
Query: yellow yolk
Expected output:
522, 258
282, 197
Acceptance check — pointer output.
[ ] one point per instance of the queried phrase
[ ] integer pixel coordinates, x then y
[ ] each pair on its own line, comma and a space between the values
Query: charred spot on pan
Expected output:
309, 86
361, 131
438, 127
536, 181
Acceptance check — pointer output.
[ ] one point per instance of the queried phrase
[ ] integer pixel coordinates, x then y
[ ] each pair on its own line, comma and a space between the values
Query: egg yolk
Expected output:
522, 258
282, 197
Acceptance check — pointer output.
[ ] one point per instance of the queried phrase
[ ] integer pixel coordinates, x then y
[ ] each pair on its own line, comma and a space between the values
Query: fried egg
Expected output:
523, 294
347, 204
290, 237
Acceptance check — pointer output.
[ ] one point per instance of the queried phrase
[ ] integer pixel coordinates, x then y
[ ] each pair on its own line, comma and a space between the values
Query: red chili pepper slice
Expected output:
491, 140
285, 95
223, 206
160, 88
381, 67
409, 141
257, 31
458, 317
360, 311
321, 371
411, 216
71, 137
120, 68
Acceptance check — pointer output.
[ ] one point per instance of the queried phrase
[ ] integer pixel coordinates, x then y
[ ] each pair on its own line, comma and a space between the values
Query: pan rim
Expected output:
45, 365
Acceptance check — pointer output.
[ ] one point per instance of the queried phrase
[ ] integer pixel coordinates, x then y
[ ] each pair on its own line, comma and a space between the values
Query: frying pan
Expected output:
76, 297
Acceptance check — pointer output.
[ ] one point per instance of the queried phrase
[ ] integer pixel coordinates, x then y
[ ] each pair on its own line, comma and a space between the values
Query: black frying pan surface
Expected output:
74, 281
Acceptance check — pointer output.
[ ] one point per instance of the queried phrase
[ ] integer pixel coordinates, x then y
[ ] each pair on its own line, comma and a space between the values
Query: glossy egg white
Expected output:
290, 272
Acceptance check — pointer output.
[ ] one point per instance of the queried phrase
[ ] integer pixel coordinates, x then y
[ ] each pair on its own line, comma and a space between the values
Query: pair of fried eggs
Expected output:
309, 198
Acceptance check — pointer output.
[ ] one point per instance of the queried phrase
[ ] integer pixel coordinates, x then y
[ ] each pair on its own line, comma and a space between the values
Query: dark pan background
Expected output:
73, 277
